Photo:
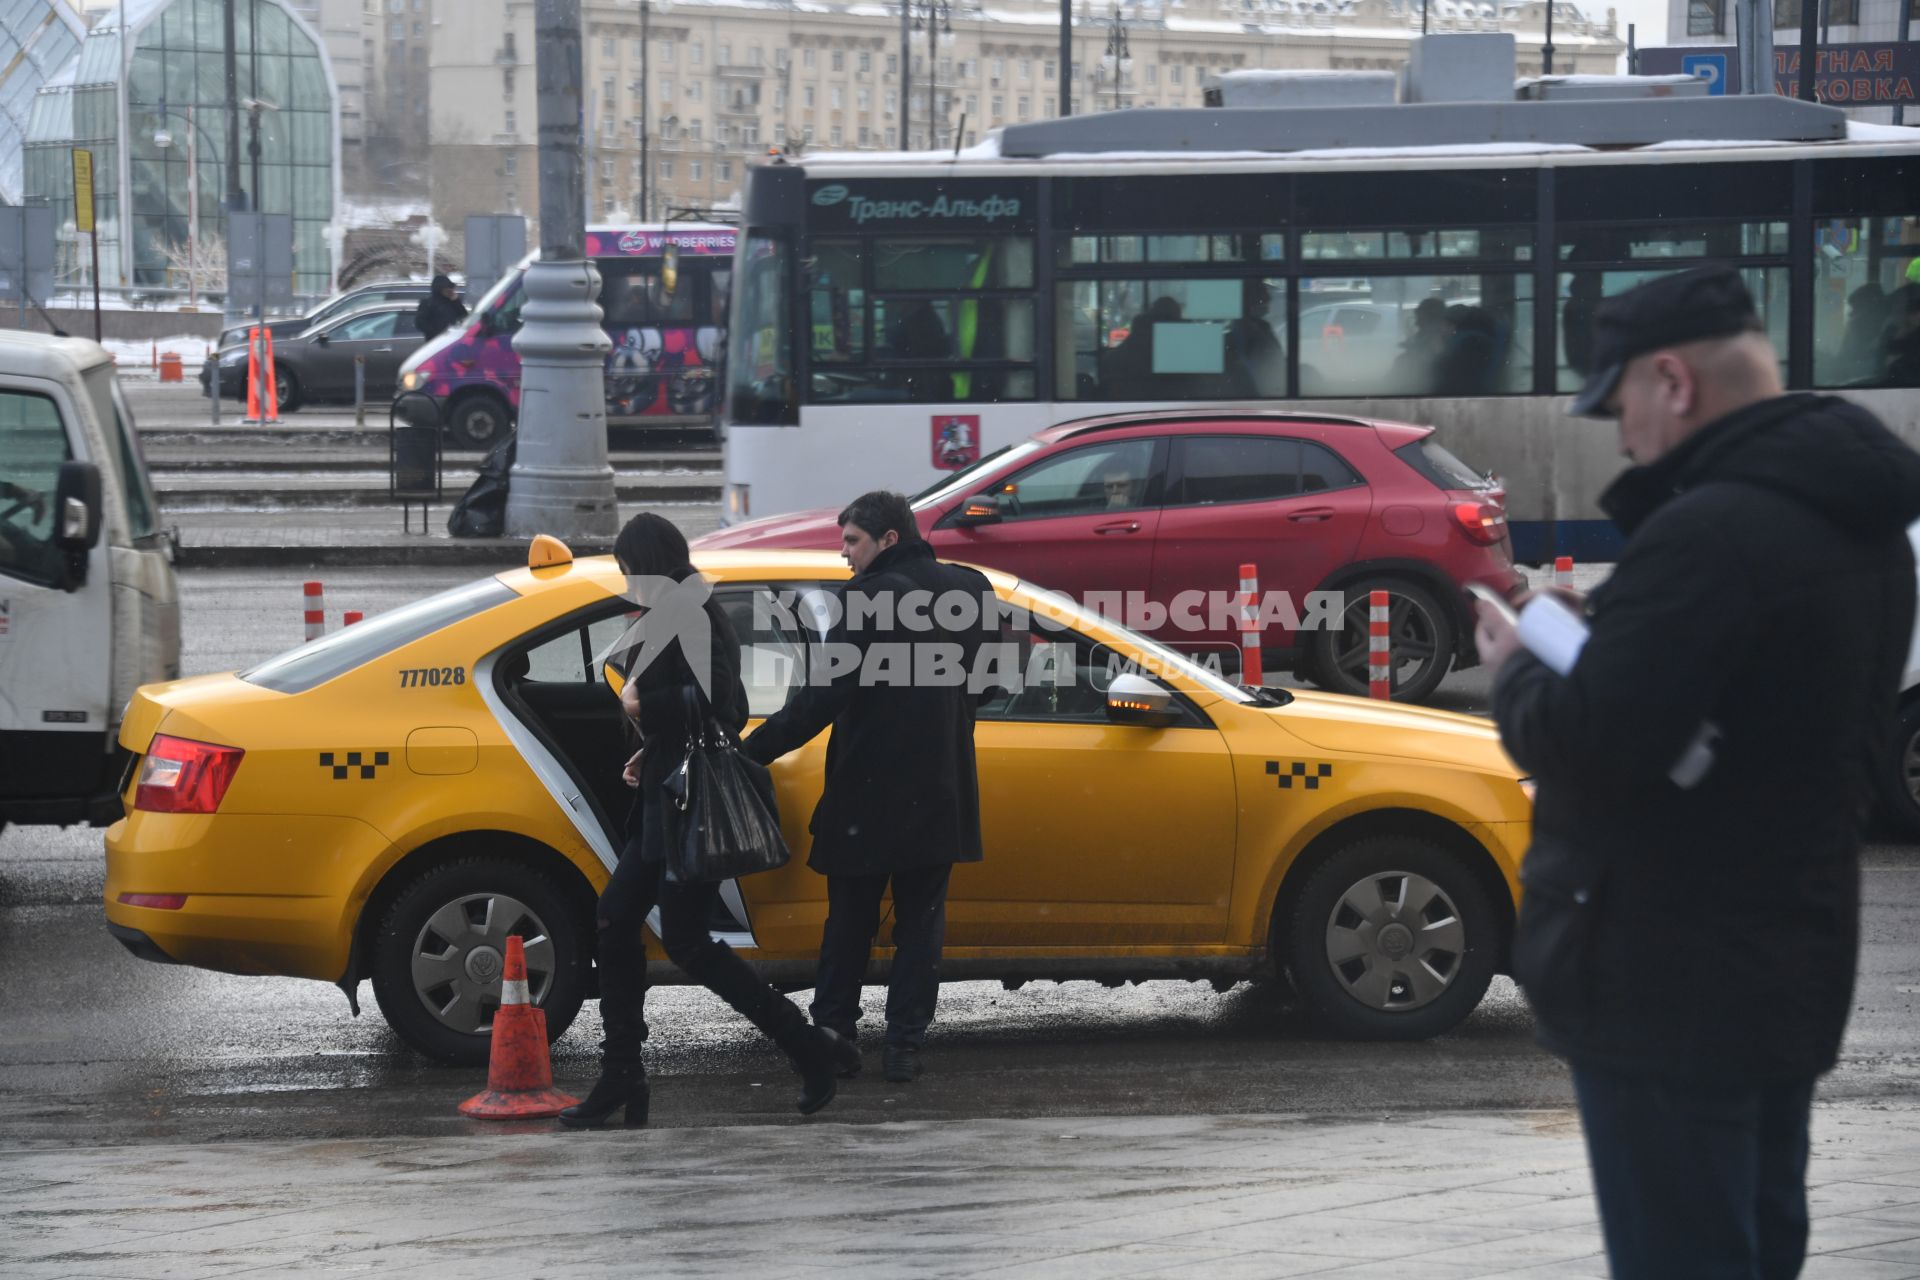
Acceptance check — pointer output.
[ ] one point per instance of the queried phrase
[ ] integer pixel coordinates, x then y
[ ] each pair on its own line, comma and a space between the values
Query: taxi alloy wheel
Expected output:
1392, 938
441, 947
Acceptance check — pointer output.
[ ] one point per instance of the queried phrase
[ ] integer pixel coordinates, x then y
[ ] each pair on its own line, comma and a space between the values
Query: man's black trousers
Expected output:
919, 932
1698, 1182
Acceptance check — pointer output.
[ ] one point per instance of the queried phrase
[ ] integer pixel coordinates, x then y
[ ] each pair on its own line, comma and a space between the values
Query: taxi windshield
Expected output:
318, 661
1162, 659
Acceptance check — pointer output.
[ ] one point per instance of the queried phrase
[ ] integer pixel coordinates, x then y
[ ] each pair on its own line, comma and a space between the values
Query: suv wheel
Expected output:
438, 952
1392, 938
1421, 635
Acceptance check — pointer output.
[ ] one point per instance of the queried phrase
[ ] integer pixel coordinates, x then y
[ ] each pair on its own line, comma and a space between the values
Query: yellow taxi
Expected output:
392, 801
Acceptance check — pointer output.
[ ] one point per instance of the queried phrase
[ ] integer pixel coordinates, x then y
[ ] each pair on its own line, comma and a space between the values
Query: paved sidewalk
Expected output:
365, 537
1432, 1196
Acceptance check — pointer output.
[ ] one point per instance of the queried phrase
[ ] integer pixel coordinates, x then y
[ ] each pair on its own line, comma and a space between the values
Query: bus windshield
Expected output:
759, 359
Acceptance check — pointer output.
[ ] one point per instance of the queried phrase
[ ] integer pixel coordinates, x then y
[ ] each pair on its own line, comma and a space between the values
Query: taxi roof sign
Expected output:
547, 552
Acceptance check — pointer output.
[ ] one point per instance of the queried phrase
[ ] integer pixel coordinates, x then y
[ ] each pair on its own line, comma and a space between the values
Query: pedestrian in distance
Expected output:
1690, 924
439, 310
653, 553
901, 804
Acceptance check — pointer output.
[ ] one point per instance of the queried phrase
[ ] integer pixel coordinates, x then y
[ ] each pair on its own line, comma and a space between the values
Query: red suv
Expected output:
1148, 517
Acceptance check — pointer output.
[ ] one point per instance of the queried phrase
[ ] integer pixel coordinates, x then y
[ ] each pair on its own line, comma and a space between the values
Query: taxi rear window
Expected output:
319, 661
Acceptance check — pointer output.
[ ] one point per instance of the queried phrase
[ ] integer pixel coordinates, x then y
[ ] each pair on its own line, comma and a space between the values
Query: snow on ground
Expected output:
135, 357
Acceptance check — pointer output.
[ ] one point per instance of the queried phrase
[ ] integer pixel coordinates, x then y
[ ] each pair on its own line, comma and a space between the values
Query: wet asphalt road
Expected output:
99, 1047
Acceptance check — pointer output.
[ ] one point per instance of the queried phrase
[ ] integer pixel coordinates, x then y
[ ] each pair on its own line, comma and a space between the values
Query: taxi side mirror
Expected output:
322, 339
1134, 699
984, 509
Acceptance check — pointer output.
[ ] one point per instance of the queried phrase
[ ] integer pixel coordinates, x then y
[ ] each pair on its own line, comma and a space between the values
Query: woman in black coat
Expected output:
656, 697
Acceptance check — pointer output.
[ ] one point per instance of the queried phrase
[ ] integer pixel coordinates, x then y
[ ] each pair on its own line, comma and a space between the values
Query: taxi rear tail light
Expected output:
157, 901
1483, 522
180, 775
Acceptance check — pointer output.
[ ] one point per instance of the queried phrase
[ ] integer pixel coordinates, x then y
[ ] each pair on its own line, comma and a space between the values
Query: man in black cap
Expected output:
439, 310
1690, 922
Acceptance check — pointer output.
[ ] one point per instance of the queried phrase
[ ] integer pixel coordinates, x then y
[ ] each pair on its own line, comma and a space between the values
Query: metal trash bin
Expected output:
413, 465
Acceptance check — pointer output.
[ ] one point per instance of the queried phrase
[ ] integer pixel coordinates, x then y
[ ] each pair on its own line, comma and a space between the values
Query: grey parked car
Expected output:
341, 304
317, 364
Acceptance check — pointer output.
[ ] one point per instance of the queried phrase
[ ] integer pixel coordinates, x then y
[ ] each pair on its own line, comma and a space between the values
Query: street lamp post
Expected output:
646, 92
939, 36
162, 139
561, 483
1117, 61
906, 75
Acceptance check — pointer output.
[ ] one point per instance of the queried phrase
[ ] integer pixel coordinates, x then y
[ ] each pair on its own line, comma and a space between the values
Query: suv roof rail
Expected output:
1111, 422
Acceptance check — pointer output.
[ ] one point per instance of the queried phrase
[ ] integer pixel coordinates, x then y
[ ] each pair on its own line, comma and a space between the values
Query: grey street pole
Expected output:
1906, 26
1066, 57
646, 92
906, 75
561, 483
1809, 47
1546, 48
236, 199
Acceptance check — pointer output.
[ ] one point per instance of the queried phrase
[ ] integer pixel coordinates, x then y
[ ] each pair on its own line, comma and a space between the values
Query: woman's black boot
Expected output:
618, 1086
817, 1056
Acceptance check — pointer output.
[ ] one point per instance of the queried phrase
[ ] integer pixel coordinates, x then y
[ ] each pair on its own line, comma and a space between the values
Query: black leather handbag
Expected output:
728, 818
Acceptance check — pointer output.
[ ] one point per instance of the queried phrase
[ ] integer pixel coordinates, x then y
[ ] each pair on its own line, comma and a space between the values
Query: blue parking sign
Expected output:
1711, 67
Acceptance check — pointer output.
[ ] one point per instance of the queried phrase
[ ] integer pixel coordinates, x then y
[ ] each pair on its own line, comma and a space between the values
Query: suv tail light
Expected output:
180, 775
1483, 521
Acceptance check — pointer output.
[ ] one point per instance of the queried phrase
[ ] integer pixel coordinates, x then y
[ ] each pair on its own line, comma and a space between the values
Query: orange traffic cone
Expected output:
270, 404
519, 1076
253, 376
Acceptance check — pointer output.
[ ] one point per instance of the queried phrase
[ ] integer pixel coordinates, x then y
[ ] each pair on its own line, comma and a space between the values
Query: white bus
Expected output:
896, 315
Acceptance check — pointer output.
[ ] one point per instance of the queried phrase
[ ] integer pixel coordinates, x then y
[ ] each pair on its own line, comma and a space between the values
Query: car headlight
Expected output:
412, 380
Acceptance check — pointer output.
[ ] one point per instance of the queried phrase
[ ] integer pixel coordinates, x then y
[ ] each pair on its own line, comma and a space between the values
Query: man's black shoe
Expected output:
846, 1058
900, 1063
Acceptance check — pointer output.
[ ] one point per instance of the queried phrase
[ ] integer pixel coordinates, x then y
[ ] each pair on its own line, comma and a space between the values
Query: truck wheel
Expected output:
439, 950
1421, 636
1391, 938
479, 422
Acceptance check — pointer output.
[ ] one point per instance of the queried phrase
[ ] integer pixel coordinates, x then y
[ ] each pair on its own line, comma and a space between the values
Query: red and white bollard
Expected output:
1563, 572
316, 603
350, 617
1250, 670
1379, 658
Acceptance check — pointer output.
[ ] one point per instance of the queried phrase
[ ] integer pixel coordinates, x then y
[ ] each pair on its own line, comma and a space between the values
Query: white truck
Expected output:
89, 608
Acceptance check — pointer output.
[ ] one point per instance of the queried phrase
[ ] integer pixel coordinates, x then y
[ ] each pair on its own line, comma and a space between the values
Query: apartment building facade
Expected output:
725, 80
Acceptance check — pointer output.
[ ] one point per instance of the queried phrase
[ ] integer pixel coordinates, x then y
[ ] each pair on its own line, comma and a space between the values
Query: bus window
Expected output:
1866, 273
1582, 291
1441, 335
836, 303
1171, 339
631, 295
759, 359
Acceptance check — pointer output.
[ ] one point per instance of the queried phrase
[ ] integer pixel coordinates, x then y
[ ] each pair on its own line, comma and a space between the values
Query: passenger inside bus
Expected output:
1903, 342
920, 335
1129, 372
1256, 363
1413, 369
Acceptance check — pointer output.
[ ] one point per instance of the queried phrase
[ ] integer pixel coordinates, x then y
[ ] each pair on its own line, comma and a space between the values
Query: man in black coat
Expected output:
439, 310
1690, 925
902, 801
